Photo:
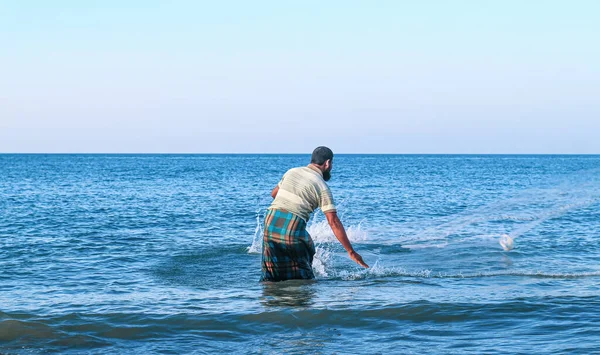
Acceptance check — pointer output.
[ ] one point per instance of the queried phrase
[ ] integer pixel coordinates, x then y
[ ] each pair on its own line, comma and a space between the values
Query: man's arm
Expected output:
340, 234
275, 191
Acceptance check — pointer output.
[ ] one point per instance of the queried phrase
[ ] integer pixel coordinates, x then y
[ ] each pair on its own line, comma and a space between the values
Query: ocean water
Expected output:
161, 254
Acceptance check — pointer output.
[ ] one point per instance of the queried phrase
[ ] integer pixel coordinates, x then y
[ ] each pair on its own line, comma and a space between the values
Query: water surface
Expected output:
161, 254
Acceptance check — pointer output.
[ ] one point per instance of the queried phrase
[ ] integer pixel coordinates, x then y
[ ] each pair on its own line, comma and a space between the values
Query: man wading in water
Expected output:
288, 249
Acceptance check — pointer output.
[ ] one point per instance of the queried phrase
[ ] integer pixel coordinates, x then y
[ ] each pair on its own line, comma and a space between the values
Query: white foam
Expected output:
378, 270
323, 262
321, 232
424, 246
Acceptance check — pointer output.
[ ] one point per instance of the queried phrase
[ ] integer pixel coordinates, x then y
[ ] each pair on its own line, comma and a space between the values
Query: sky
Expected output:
446, 76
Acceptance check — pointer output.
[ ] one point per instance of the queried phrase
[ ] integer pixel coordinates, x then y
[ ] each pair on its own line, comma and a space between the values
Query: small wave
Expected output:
378, 271
425, 246
26, 332
534, 274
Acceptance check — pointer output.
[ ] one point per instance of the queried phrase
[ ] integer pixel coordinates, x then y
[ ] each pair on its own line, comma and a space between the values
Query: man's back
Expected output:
301, 191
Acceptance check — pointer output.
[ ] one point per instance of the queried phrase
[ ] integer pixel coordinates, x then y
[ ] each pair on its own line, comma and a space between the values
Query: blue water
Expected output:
161, 254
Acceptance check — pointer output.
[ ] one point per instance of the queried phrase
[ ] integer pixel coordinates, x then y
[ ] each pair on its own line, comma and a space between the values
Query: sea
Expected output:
160, 254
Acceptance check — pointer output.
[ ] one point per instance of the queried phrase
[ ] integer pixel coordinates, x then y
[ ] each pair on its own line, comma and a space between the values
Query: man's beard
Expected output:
327, 175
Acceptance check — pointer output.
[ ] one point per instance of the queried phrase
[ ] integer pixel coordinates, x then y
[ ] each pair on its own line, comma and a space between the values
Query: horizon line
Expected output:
255, 153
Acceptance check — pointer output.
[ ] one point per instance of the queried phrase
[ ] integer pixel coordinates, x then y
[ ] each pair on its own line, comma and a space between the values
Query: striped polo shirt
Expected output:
303, 190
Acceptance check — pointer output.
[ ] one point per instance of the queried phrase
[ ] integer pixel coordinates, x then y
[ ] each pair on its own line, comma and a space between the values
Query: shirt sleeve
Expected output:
281, 181
326, 200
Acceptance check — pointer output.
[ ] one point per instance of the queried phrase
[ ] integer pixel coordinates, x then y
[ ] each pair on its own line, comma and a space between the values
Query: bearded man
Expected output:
288, 249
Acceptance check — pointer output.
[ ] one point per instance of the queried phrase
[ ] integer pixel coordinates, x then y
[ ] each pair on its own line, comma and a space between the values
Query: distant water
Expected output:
161, 254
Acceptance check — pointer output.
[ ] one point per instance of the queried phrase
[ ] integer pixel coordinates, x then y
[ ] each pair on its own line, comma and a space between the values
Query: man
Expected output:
288, 249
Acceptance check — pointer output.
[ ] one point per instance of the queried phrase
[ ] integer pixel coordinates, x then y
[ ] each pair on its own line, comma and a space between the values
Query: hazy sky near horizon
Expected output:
285, 76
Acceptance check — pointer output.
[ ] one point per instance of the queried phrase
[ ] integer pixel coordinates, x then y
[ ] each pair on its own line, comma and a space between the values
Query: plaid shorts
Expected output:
288, 249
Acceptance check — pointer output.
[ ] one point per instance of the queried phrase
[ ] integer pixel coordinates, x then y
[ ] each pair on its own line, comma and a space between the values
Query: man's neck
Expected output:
316, 168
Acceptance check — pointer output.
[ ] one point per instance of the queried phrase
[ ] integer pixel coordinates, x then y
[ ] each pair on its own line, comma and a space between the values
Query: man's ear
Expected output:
327, 164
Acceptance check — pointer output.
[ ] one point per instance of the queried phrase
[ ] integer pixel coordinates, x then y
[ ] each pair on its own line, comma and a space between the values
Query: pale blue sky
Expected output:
284, 76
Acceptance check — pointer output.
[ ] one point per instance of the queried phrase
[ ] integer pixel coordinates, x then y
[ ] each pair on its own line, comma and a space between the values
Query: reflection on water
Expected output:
292, 293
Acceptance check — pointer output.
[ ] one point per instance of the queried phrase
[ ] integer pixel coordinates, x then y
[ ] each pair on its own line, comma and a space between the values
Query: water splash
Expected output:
321, 232
256, 246
323, 265
325, 242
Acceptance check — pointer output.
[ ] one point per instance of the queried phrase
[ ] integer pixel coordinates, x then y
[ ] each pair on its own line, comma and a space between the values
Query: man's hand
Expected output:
357, 259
